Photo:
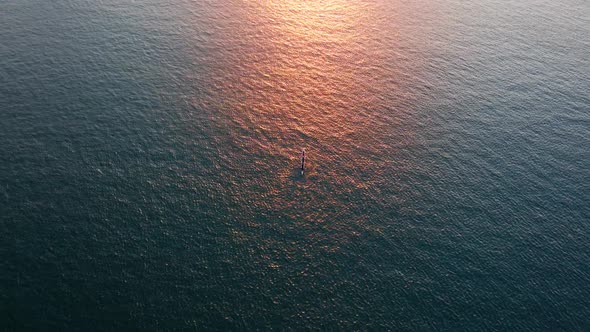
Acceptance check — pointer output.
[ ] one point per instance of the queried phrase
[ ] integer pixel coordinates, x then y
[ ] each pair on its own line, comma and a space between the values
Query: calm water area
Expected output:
150, 150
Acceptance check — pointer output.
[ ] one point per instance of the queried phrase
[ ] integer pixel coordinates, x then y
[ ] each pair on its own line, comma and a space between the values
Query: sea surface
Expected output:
150, 150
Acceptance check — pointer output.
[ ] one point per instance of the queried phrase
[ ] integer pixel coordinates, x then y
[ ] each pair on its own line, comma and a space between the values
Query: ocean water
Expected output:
150, 148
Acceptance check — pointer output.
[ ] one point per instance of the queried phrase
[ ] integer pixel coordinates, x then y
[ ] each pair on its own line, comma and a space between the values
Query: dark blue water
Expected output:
149, 165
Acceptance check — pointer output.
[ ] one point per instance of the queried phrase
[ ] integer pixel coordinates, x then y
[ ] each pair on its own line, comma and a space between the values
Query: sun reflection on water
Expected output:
303, 74
304, 66
333, 21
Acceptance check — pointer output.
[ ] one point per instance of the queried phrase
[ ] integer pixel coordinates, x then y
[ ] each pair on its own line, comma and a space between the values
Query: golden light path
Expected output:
286, 75
311, 66
333, 21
